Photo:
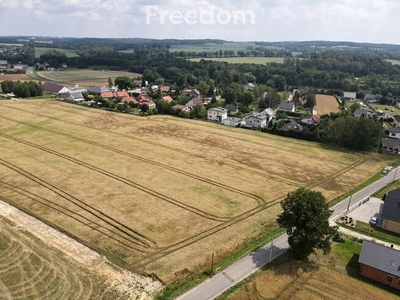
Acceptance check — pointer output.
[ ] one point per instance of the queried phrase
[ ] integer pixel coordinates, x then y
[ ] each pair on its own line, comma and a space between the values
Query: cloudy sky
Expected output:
250, 20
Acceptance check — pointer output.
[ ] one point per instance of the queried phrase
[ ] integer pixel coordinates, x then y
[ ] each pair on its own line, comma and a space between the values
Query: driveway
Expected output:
364, 212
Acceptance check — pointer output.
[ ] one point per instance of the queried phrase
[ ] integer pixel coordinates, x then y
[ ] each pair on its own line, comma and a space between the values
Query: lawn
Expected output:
41, 50
393, 110
378, 233
334, 276
85, 78
243, 60
32, 270
160, 194
326, 104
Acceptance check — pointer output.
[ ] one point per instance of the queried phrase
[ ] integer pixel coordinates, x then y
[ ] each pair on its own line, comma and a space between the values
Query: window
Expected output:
389, 278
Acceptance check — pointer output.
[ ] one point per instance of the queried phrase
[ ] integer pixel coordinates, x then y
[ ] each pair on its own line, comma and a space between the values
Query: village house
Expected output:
288, 106
55, 89
268, 113
74, 97
167, 99
311, 120
256, 121
97, 90
195, 102
249, 87
396, 120
233, 122
180, 107
232, 109
165, 89
292, 126
380, 263
390, 146
363, 113
194, 94
394, 132
350, 96
218, 114
391, 211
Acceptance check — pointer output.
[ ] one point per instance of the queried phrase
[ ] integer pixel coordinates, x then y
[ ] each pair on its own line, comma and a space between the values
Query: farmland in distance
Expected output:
159, 194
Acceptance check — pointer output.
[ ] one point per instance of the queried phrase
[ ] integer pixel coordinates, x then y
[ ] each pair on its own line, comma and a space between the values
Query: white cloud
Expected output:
358, 20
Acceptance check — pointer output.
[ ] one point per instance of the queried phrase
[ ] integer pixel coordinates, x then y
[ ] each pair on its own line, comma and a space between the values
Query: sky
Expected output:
374, 21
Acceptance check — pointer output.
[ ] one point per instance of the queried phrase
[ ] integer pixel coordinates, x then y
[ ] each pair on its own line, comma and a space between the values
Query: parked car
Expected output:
373, 221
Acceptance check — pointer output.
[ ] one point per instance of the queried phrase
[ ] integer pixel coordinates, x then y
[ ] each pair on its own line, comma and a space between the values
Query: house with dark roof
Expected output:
55, 89
232, 109
380, 263
363, 113
396, 120
394, 132
391, 211
292, 126
74, 97
287, 106
372, 97
390, 146
194, 94
195, 102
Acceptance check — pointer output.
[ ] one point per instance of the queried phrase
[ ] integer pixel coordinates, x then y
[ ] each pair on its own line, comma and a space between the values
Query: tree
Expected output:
306, 219
310, 101
123, 82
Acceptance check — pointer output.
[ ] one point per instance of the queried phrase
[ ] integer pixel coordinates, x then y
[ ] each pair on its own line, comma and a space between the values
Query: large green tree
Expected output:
123, 82
306, 219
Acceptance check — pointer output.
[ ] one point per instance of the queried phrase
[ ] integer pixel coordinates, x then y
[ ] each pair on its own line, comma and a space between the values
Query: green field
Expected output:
244, 60
41, 50
393, 110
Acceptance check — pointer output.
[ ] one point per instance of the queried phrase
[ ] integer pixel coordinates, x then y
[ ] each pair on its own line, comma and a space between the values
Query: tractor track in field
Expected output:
76, 216
121, 179
162, 252
79, 203
190, 154
259, 200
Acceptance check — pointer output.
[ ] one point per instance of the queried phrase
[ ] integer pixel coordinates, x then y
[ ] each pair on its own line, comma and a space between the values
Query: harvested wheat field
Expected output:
30, 270
22, 77
326, 104
85, 78
324, 277
159, 194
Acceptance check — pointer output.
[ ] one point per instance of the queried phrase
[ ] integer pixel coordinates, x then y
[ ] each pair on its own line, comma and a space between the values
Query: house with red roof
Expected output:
312, 120
167, 99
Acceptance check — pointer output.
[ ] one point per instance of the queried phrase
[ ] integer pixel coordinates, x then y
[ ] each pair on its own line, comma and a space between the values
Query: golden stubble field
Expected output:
84, 77
31, 270
159, 194
326, 104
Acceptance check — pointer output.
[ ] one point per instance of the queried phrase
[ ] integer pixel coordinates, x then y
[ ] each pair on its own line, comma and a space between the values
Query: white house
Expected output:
217, 114
249, 86
350, 96
233, 122
394, 132
256, 121
268, 113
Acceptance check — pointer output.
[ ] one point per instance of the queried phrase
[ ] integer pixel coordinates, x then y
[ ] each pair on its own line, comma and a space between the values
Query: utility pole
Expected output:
348, 205
212, 265
270, 251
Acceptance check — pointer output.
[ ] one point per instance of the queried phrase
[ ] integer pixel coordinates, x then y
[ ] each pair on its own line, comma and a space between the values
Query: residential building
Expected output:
287, 106
256, 121
233, 122
391, 211
349, 96
194, 94
394, 132
232, 109
268, 113
249, 87
165, 89
218, 114
396, 120
194, 102
180, 107
292, 126
372, 97
363, 113
167, 99
380, 263
3, 64
74, 97
311, 120
55, 89
97, 90
390, 146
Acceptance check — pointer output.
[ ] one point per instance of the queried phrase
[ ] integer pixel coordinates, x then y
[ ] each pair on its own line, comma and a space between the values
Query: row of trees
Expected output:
22, 89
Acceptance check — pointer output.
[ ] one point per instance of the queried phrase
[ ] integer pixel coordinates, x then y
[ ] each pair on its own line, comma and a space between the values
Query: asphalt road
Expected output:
243, 268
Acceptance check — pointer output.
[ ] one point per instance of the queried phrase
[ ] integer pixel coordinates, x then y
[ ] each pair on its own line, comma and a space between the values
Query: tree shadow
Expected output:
266, 255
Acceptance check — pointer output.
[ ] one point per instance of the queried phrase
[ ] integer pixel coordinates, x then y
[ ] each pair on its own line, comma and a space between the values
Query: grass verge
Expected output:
182, 285
374, 232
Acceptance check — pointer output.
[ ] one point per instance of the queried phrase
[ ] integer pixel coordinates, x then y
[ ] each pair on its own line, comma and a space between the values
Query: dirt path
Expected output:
132, 285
